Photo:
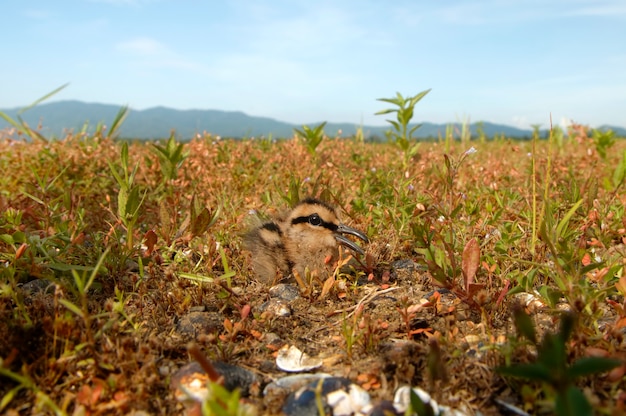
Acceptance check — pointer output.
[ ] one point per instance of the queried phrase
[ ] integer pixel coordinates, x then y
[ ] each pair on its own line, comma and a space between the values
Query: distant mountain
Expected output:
57, 118
619, 131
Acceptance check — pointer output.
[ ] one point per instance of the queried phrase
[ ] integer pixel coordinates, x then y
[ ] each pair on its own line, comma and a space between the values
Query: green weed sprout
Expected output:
418, 406
403, 137
552, 368
128, 198
171, 157
603, 140
222, 402
24, 382
312, 137
121, 115
83, 283
619, 174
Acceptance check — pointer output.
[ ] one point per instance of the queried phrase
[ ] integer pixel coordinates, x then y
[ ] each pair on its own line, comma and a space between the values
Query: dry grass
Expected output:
111, 349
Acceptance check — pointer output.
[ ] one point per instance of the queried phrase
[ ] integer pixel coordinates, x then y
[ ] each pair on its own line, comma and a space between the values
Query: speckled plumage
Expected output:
306, 238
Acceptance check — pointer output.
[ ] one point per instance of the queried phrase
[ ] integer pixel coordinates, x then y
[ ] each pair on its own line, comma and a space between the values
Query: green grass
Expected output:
131, 235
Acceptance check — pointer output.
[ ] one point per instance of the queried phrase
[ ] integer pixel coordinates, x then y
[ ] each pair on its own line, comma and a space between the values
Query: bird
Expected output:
306, 238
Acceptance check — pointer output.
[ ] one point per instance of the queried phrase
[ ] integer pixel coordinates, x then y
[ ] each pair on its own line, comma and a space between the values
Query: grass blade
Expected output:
44, 98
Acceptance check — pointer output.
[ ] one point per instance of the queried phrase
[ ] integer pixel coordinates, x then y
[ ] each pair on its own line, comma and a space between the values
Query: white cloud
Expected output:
610, 9
37, 14
483, 12
310, 31
148, 54
143, 46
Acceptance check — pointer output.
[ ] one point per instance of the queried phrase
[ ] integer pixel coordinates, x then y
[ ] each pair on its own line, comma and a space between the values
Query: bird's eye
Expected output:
315, 220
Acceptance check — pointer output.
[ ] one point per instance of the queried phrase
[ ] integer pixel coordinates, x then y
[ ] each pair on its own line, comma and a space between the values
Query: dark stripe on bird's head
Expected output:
315, 220
272, 226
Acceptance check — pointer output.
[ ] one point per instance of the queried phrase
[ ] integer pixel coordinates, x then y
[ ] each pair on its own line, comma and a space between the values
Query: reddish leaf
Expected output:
596, 352
328, 284
470, 262
228, 325
503, 292
586, 261
473, 288
79, 239
491, 268
245, 311
84, 395
150, 239
20, 251
616, 374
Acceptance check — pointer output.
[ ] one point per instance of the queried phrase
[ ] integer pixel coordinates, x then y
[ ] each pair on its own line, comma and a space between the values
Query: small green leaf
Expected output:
421, 95
417, 126
120, 181
34, 198
133, 203
71, 307
124, 156
196, 277
565, 221
572, 402
591, 365
532, 371
6, 238
524, 324
319, 129
117, 122
96, 269
619, 174
45, 97
8, 397
568, 321
395, 101
387, 111
19, 237
419, 407
552, 353
62, 267
202, 220
550, 294
122, 203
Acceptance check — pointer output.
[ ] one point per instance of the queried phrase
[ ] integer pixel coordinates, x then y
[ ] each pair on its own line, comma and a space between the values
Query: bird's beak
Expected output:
343, 240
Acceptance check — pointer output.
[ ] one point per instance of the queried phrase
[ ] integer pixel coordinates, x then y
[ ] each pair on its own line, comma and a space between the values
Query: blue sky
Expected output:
505, 61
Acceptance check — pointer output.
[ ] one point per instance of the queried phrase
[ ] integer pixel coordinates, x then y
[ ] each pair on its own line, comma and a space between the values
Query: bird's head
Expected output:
317, 223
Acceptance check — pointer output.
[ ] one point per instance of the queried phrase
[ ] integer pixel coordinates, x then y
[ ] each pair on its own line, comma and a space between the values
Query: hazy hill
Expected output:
58, 117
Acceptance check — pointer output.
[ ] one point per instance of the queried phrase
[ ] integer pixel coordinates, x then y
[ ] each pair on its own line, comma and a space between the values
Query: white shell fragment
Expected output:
292, 360
337, 396
348, 402
530, 301
402, 400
